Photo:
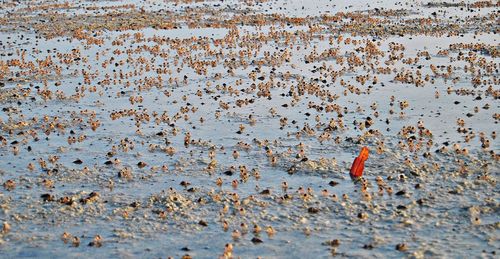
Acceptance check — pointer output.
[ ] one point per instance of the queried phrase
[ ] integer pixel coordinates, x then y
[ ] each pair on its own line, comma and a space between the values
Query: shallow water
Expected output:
437, 199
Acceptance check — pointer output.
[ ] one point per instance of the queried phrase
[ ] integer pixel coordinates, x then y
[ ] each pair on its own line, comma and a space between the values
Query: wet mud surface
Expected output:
227, 129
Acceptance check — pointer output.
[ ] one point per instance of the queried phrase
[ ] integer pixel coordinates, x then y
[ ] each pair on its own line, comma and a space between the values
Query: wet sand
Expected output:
202, 129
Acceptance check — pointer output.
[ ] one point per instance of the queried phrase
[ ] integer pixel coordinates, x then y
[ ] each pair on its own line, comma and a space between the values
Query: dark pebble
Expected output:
256, 240
333, 183
313, 210
203, 223
402, 192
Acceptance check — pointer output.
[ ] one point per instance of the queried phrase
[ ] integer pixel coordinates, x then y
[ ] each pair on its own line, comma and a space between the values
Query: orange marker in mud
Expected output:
358, 165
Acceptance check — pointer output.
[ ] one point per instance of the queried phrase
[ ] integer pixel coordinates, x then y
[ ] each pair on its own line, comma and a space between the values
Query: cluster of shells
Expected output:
111, 121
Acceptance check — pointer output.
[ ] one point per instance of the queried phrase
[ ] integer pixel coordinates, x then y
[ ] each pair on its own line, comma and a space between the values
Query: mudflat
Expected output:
272, 129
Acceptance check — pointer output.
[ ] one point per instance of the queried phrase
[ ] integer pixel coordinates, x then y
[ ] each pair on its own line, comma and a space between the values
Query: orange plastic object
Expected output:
358, 165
